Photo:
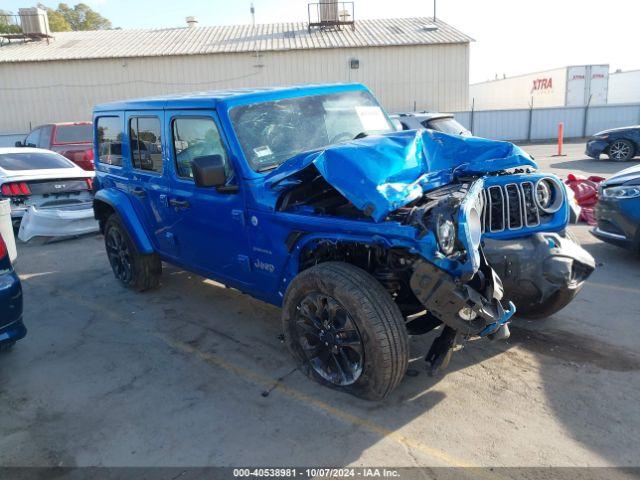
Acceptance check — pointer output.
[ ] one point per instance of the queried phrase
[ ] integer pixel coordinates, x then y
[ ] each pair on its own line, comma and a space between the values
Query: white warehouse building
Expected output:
407, 63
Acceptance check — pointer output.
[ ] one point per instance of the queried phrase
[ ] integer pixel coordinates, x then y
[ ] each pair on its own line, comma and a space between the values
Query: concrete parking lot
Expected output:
194, 374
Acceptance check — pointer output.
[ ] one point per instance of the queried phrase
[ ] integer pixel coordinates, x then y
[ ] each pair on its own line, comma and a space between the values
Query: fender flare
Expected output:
119, 201
303, 240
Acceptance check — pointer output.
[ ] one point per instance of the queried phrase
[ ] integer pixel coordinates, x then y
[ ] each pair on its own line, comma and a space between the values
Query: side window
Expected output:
195, 137
109, 137
33, 138
146, 143
45, 137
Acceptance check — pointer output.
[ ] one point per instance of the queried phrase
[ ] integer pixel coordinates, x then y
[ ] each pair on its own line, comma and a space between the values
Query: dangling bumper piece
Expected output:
468, 309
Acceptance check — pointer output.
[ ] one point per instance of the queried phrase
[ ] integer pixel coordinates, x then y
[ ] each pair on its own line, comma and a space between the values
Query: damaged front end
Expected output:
467, 299
428, 202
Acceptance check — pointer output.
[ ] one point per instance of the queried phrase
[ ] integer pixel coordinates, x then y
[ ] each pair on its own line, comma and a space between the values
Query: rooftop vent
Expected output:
34, 22
31, 24
330, 15
192, 22
429, 28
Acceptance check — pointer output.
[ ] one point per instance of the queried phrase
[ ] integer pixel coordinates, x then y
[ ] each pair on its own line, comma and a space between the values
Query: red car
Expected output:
72, 140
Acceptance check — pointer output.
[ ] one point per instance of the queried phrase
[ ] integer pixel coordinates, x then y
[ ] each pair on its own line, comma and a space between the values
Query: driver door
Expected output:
209, 223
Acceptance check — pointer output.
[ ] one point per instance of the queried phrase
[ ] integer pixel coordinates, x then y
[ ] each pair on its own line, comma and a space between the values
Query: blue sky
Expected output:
512, 36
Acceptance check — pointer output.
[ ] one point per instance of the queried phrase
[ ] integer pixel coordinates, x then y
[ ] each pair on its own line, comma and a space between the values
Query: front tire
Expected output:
134, 270
621, 151
345, 331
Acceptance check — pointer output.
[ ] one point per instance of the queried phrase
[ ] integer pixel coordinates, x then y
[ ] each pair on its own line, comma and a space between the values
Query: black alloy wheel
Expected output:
119, 255
329, 339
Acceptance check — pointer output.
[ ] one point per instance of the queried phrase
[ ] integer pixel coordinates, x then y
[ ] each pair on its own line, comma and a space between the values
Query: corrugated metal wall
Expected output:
624, 87
434, 77
542, 124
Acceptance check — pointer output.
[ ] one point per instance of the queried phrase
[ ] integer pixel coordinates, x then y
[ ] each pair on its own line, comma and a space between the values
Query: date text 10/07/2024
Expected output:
316, 472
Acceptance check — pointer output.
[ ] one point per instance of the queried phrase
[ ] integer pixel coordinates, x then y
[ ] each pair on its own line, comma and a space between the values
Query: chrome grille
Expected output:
509, 207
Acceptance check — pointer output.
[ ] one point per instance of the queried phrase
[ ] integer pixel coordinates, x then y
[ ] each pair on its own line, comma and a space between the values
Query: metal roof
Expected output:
231, 39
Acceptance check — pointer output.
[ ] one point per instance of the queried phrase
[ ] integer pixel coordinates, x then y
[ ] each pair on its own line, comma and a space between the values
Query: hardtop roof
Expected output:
227, 98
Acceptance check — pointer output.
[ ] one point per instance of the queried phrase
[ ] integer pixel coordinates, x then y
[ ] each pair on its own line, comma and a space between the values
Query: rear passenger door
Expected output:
209, 223
148, 184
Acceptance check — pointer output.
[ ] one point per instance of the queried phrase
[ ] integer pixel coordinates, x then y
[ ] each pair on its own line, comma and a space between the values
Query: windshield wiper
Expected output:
267, 168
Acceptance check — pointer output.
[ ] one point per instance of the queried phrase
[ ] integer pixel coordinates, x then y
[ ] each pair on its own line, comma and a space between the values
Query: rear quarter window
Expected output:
73, 134
33, 161
109, 137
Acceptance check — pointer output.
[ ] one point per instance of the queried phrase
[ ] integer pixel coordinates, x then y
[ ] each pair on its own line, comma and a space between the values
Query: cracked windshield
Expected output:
272, 132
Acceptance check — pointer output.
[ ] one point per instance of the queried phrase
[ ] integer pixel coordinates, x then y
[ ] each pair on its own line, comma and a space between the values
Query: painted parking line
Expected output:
267, 383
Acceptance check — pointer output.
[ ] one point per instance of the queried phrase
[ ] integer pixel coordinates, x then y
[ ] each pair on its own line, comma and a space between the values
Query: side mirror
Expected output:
208, 171
19, 144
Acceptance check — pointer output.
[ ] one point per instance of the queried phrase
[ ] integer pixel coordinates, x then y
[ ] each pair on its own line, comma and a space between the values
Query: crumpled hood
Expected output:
382, 173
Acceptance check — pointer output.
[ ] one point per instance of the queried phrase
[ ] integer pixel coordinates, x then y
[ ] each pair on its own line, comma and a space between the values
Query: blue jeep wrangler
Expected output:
307, 198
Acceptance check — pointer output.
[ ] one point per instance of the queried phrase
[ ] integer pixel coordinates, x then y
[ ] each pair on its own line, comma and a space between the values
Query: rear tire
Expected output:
134, 270
621, 151
363, 302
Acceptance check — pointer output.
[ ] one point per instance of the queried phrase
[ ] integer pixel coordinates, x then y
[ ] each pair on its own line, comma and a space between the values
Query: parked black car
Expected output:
11, 327
619, 144
618, 210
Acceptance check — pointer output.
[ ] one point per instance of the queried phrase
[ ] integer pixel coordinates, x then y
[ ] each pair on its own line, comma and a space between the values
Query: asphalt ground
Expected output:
194, 374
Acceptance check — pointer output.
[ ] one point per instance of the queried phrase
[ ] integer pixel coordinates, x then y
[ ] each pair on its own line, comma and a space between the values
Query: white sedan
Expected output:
41, 182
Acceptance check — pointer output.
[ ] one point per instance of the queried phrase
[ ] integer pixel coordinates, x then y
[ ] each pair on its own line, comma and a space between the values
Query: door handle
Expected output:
174, 202
139, 192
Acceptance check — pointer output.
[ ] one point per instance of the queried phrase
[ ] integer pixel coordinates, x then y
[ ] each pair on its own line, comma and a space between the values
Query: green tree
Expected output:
6, 23
82, 17
57, 22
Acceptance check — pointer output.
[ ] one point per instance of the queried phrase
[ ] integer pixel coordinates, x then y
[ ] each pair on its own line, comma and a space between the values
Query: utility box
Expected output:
574, 86
34, 22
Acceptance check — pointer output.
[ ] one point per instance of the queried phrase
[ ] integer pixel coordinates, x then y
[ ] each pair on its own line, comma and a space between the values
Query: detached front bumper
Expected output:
472, 308
538, 267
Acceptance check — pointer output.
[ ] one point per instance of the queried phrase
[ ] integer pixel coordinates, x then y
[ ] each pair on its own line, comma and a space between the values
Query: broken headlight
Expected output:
470, 222
446, 233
